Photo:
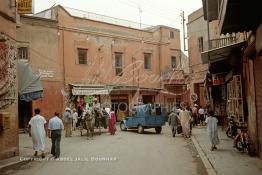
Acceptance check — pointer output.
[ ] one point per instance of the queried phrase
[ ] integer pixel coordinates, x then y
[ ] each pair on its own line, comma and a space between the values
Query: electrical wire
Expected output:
160, 15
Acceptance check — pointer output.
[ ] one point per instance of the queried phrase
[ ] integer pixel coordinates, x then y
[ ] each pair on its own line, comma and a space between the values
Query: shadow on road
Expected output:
144, 133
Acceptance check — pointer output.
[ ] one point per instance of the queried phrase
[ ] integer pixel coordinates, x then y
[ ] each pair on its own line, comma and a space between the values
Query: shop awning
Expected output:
168, 93
239, 16
29, 84
121, 87
219, 54
220, 59
81, 89
156, 90
233, 15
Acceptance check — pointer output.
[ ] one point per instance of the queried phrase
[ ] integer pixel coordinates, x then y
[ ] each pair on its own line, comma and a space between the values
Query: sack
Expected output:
179, 129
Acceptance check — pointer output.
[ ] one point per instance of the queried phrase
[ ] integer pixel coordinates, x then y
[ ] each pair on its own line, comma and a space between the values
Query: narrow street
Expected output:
130, 153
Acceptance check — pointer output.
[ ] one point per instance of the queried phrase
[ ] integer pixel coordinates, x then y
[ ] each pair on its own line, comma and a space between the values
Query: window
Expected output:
171, 34
119, 63
23, 53
200, 44
173, 61
147, 60
82, 56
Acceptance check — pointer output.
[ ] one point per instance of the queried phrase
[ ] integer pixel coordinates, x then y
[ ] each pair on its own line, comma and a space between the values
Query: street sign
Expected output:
194, 97
24, 6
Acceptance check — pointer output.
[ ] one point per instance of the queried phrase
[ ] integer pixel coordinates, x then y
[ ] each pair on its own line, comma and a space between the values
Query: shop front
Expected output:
82, 95
120, 104
29, 89
226, 95
122, 99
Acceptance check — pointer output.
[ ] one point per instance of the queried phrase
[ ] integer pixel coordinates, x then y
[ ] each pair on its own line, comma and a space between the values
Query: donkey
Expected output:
89, 122
97, 113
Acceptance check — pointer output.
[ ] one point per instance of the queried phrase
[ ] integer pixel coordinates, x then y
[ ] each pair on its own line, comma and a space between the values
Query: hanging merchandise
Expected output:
218, 79
88, 99
78, 99
81, 103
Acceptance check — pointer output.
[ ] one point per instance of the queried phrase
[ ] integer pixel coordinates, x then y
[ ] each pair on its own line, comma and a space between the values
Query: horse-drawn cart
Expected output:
92, 119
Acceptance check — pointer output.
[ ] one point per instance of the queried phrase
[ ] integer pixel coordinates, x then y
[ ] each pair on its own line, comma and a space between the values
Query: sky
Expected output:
151, 12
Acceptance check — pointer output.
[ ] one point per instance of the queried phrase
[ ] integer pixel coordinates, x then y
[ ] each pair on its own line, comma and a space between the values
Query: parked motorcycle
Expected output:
242, 141
232, 127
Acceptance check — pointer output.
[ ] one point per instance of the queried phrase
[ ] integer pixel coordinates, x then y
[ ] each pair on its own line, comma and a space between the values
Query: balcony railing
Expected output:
222, 42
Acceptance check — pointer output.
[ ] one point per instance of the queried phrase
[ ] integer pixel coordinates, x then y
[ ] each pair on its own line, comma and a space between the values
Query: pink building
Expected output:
80, 56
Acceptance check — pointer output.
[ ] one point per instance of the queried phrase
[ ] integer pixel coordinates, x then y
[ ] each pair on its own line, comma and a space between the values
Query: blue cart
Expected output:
145, 117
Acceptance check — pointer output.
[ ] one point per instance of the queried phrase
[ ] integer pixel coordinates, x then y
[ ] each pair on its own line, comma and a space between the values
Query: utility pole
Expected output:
184, 34
140, 16
208, 32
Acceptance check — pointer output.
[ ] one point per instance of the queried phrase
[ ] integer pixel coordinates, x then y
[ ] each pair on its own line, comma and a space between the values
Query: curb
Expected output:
209, 167
19, 161
13, 164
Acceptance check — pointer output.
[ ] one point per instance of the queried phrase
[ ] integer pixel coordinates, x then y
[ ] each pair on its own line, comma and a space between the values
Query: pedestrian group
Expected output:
38, 129
182, 119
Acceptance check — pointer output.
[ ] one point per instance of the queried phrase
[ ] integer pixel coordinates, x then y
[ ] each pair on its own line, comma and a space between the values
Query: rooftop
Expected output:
102, 18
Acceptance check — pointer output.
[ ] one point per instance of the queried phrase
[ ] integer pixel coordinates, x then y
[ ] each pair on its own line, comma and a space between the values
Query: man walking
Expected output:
75, 118
68, 122
38, 132
194, 115
55, 128
185, 118
212, 131
173, 121
201, 113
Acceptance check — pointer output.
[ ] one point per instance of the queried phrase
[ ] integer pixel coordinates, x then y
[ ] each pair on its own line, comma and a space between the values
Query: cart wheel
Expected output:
123, 127
140, 129
158, 130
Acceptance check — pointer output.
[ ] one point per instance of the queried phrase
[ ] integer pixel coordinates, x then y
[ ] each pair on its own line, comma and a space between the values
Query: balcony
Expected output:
172, 76
222, 42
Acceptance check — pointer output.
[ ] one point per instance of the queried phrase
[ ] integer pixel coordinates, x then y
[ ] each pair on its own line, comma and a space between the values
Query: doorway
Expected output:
120, 105
25, 113
148, 99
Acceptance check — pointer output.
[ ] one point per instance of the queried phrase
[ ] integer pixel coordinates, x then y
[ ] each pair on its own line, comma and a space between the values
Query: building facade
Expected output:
8, 82
120, 65
197, 43
204, 36
240, 62
37, 43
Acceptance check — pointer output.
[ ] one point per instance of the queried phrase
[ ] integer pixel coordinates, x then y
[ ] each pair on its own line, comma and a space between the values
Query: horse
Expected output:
88, 123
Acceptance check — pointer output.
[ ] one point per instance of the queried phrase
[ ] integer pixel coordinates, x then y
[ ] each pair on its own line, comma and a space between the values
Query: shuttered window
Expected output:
119, 63
147, 60
82, 56
23, 53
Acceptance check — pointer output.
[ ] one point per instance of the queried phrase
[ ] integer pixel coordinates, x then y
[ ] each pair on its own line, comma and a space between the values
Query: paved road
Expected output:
126, 153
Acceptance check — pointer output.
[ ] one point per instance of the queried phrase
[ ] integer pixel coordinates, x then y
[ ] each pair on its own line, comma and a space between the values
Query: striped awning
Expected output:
89, 90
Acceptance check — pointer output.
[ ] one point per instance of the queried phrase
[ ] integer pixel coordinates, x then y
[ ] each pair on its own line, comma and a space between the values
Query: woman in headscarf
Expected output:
112, 123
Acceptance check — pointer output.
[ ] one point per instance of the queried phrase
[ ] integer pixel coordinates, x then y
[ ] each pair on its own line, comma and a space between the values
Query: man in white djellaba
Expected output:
212, 130
185, 118
37, 130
